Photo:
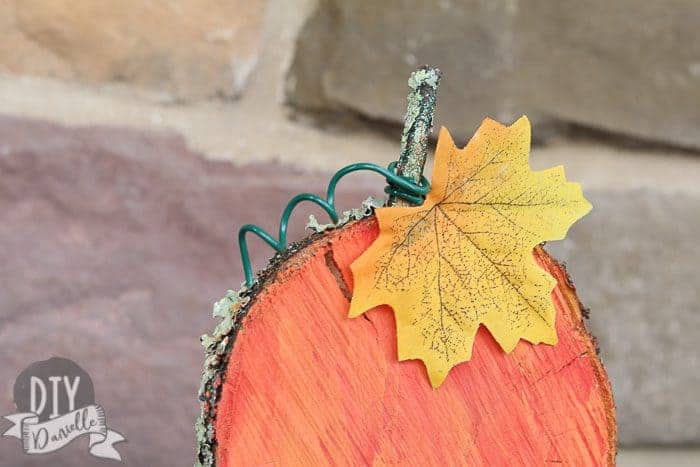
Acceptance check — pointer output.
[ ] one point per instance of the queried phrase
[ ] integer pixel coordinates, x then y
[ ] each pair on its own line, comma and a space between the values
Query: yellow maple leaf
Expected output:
465, 257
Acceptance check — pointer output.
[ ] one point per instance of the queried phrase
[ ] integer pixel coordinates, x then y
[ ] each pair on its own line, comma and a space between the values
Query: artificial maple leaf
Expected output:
465, 257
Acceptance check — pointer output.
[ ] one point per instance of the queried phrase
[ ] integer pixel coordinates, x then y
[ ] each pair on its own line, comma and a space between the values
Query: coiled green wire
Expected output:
397, 187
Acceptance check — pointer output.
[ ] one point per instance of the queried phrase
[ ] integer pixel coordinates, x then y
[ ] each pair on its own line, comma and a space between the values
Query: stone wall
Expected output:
625, 67
180, 50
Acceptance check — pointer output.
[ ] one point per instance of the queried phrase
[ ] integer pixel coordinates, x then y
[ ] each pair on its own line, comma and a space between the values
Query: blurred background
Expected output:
137, 136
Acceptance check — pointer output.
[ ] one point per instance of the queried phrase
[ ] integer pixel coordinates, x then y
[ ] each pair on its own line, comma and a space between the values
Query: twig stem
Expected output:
418, 123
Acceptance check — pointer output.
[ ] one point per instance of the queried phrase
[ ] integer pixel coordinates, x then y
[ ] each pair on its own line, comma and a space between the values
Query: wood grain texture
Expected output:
306, 385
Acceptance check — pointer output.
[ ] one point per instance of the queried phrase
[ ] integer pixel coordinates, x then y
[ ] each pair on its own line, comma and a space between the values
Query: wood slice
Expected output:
306, 385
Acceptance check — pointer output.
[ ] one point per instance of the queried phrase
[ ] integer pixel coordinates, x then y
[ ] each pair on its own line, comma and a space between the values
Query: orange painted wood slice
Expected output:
306, 385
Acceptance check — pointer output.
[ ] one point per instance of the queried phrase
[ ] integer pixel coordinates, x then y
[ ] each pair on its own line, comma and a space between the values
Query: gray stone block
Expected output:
634, 260
626, 67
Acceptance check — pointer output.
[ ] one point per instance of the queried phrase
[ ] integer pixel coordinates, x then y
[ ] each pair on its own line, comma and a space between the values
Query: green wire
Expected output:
398, 186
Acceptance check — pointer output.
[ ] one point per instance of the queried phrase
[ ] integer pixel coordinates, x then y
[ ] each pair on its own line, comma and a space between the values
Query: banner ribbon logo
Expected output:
51, 435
